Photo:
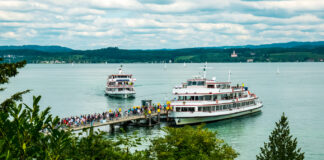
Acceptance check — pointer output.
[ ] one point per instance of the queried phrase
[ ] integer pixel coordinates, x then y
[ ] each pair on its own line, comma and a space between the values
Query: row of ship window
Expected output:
215, 108
208, 97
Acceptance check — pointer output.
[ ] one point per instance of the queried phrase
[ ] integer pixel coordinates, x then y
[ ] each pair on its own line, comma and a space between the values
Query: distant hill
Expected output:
279, 45
277, 52
37, 48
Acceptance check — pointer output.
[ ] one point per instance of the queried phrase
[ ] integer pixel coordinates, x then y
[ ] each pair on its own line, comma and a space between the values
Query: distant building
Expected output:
252, 54
233, 55
310, 60
249, 60
321, 60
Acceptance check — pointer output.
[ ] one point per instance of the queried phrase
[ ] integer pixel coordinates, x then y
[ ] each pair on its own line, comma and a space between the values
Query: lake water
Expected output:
298, 91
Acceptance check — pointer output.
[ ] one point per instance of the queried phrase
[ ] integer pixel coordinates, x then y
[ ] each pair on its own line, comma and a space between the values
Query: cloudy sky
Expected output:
151, 24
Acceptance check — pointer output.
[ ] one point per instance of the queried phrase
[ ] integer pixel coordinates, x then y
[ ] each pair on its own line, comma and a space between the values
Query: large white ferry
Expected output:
200, 100
120, 85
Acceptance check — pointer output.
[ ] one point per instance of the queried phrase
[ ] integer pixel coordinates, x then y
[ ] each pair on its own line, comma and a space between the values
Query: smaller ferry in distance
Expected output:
201, 100
120, 85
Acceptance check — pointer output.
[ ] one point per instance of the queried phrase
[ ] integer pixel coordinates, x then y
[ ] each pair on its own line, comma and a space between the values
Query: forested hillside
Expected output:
290, 53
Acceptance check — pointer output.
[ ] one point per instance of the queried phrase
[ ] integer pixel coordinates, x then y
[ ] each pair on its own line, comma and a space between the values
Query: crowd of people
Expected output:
90, 119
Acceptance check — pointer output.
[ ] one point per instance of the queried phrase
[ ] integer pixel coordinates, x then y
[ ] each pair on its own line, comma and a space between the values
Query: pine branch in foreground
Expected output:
281, 145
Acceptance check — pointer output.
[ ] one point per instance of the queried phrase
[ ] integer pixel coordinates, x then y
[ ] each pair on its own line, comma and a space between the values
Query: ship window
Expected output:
178, 109
200, 108
217, 108
200, 83
191, 109
194, 83
224, 106
214, 108
184, 109
206, 109
200, 98
189, 83
211, 86
207, 98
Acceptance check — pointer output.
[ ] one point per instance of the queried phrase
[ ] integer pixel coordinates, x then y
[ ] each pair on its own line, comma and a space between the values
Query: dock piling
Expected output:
150, 119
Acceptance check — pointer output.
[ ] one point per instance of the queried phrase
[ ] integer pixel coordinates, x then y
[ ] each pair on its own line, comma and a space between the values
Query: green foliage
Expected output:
190, 143
281, 145
27, 133
21, 134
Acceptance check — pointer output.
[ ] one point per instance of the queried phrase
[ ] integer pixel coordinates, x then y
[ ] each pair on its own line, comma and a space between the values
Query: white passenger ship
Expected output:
120, 85
200, 100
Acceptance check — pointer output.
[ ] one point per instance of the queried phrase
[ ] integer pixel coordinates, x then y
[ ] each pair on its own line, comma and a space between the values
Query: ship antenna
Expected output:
205, 70
120, 69
229, 75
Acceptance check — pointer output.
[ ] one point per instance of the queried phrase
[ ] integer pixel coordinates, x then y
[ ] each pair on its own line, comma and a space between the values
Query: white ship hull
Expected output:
121, 94
198, 117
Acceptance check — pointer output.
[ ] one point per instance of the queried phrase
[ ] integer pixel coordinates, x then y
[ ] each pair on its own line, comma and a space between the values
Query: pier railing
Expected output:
113, 118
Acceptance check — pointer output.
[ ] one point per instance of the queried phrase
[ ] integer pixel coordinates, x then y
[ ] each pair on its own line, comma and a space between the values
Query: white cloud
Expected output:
150, 24
9, 35
14, 16
290, 5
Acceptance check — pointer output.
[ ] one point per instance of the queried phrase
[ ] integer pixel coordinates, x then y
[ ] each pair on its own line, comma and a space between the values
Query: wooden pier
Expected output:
123, 120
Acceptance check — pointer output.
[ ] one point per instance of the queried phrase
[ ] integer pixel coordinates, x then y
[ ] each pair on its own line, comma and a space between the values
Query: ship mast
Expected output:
120, 69
205, 70
229, 76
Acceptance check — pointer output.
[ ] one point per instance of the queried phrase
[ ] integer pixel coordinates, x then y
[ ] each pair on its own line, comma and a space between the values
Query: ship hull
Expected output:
120, 95
212, 118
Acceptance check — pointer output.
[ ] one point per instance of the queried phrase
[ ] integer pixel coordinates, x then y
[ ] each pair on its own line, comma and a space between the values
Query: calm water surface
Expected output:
297, 91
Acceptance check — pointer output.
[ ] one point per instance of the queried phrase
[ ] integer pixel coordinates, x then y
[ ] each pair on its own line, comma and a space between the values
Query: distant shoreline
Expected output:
286, 52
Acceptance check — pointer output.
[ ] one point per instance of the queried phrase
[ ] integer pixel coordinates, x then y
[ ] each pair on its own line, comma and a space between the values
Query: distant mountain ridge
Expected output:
38, 48
292, 44
55, 48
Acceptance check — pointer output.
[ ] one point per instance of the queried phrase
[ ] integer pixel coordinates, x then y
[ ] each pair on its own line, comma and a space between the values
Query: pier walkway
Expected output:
121, 120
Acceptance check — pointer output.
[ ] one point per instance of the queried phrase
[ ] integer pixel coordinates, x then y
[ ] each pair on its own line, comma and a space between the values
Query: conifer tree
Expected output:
281, 145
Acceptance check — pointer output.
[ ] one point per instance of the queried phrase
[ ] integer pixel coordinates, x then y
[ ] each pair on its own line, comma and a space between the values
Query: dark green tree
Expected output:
281, 145
188, 143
